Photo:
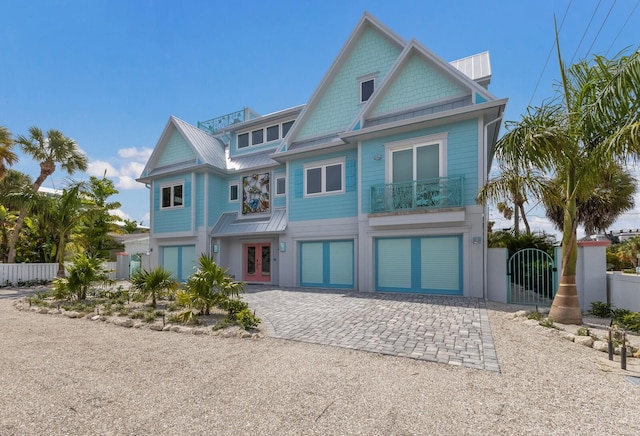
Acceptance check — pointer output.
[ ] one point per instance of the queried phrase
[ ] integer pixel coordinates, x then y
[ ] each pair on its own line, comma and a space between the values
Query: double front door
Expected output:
257, 263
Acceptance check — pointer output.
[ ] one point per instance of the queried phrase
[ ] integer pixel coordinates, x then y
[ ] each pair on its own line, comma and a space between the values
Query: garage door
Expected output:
180, 260
429, 265
327, 264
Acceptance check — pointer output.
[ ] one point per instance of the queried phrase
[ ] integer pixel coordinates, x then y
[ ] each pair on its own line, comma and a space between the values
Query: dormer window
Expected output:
366, 89
264, 135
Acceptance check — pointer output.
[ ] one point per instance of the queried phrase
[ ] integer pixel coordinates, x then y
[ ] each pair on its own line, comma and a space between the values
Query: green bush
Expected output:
234, 306
247, 319
600, 309
534, 315
630, 321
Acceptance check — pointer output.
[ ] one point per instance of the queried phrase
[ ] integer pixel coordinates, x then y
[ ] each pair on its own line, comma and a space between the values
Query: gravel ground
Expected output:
70, 376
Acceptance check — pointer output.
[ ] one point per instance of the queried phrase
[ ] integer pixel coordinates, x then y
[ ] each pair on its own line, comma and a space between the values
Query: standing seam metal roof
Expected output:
208, 147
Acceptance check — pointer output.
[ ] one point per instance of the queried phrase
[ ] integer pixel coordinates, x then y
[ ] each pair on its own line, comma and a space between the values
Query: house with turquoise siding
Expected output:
369, 186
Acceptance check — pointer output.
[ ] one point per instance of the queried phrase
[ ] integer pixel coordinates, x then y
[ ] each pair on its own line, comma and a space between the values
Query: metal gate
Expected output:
532, 278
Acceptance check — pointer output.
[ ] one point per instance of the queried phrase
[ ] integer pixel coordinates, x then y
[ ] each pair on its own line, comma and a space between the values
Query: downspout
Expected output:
484, 208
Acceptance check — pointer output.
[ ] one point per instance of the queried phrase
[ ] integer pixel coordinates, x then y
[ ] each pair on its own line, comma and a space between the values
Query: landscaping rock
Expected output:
587, 341
521, 313
532, 322
197, 331
167, 328
601, 346
123, 322
245, 335
569, 337
71, 314
157, 327
43, 310
95, 318
138, 325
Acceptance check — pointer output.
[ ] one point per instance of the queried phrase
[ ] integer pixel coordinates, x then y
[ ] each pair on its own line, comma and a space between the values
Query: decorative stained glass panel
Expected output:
255, 194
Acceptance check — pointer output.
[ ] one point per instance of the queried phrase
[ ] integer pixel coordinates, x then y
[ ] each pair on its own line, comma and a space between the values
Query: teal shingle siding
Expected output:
177, 150
462, 157
218, 197
172, 220
328, 206
417, 83
340, 103
199, 200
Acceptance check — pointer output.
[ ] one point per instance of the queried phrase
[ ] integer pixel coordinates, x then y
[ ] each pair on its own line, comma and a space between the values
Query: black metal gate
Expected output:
531, 275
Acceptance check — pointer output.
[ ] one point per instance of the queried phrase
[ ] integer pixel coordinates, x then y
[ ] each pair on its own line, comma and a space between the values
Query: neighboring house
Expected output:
369, 186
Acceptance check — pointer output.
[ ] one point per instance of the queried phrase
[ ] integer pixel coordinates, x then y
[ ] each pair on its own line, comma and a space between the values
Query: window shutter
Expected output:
299, 182
350, 176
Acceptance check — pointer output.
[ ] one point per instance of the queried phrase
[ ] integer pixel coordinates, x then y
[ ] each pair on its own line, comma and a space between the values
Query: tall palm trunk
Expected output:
46, 169
566, 305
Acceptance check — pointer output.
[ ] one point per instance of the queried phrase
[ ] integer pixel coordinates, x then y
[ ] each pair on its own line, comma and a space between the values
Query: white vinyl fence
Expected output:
623, 291
16, 274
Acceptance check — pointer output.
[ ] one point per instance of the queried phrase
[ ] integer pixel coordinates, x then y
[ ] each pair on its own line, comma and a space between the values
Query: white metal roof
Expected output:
477, 67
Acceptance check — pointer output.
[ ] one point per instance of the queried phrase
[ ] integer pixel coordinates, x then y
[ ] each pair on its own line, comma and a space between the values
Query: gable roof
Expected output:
366, 22
449, 72
208, 149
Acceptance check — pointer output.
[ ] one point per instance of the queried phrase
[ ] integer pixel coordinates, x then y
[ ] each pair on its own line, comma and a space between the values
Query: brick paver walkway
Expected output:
450, 330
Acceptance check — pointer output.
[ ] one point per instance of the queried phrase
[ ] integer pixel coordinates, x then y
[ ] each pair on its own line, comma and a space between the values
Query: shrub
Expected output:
534, 315
546, 322
247, 319
630, 321
600, 309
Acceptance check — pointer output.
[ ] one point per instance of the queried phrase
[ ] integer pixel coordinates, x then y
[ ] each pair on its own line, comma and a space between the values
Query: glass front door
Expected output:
257, 264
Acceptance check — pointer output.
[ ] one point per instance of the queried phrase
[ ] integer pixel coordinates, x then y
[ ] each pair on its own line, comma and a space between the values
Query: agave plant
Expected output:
209, 286
154, 283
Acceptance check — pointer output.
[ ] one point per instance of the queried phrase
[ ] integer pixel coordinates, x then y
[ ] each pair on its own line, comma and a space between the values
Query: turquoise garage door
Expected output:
327, 264
180, 260
427, 265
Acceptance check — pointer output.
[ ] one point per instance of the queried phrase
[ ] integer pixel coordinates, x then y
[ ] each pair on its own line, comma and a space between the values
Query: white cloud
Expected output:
98, 167
141, 154
120, 214
127, 182
133, 169
146, 219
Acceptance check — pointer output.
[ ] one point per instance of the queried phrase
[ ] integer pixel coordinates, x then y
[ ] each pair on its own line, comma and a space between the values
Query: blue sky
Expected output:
109, 73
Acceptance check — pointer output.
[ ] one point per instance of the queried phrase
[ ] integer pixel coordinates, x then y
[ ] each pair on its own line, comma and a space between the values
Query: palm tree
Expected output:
595, 122
154, 283
49, 150
514, 182
58, 216
85, 272
603, 205
13, 194
7, 156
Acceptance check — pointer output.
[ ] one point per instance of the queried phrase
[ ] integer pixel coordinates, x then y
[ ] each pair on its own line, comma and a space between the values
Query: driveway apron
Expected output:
449, 330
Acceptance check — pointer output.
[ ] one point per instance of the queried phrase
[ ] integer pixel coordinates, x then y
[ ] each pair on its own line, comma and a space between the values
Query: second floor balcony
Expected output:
435, 193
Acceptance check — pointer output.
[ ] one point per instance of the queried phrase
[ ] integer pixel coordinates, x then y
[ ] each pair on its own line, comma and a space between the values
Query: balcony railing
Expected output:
417, 195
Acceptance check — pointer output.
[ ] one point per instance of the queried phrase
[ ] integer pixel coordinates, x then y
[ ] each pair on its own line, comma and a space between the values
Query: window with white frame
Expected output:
233, 192
417, 159
263, 135
324, 178
172, 196
280, 185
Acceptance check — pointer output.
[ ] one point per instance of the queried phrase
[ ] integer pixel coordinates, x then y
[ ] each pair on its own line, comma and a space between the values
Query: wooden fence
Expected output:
16, 274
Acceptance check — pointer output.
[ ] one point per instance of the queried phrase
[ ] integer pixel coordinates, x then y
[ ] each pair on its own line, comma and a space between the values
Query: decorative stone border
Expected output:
22, 304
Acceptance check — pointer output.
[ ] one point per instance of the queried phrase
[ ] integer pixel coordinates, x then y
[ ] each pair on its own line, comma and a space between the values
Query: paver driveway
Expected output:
451, 330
